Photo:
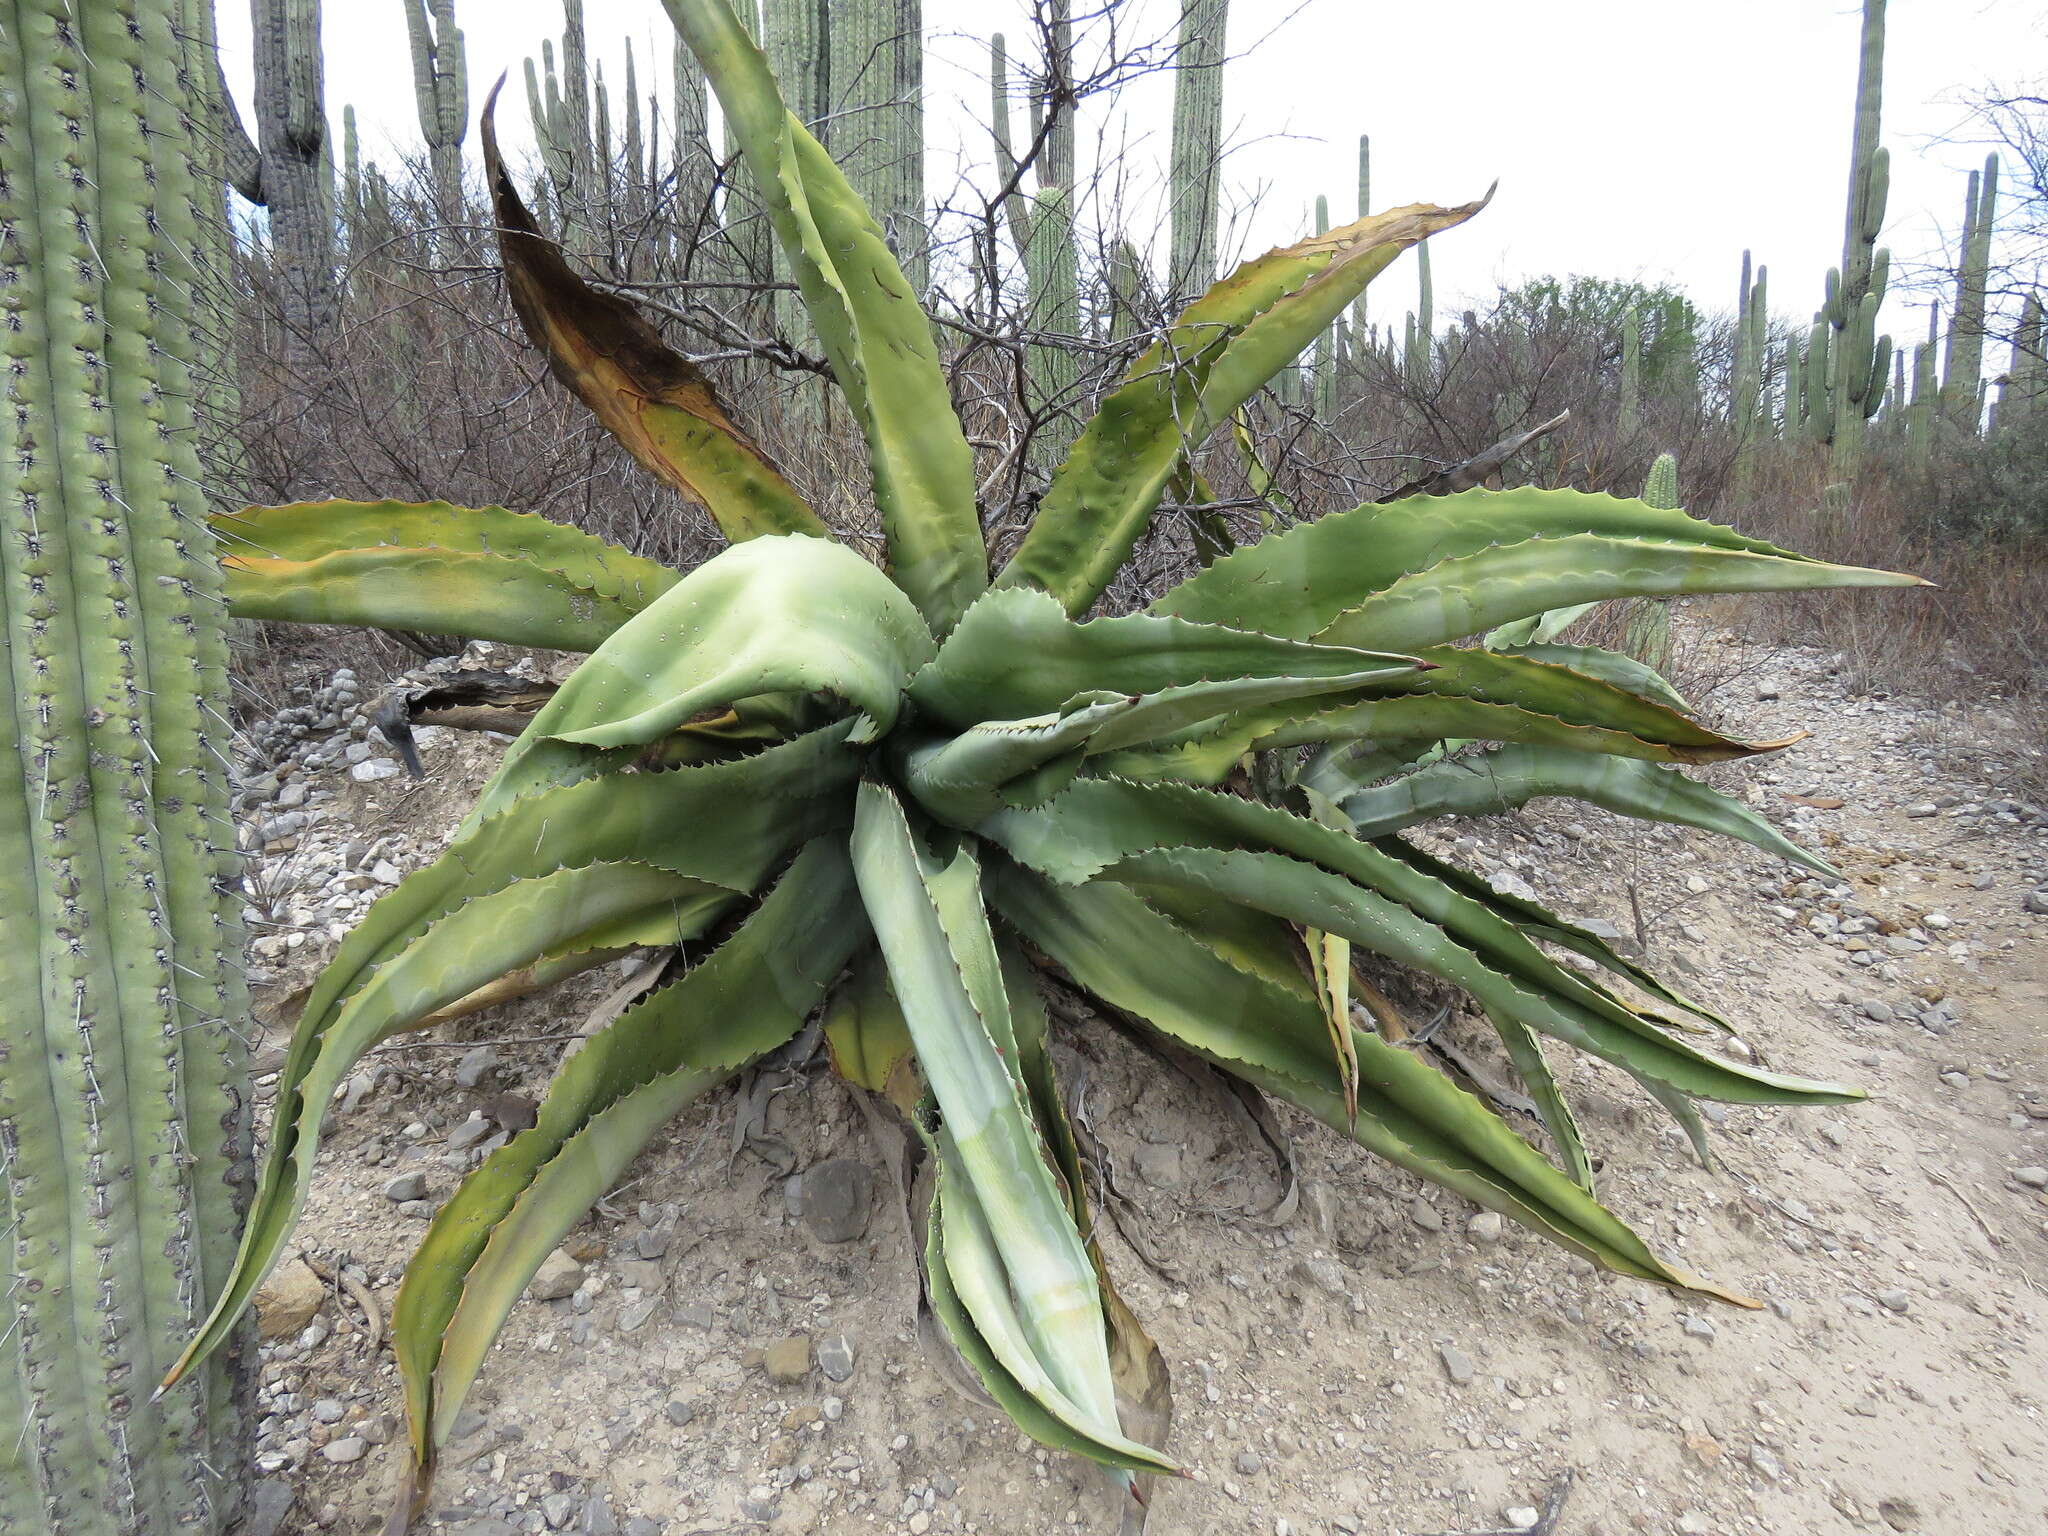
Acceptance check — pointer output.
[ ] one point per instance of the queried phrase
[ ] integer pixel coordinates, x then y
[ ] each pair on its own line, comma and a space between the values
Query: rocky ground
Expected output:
731, 1343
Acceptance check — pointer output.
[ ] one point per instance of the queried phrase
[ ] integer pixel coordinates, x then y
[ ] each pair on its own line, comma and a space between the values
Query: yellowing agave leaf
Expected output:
657, 403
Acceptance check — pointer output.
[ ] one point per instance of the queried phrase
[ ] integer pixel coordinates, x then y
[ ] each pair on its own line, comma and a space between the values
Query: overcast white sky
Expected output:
1631, 138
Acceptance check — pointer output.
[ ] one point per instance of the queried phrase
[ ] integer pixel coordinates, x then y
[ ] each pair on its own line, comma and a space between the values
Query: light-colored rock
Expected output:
558, 1276
287, 1301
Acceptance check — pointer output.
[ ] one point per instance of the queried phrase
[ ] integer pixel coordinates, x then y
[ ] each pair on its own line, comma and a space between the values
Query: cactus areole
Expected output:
911, 798
121, 1011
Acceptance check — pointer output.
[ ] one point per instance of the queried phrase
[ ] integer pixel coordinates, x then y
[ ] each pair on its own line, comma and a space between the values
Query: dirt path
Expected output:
1381, 1361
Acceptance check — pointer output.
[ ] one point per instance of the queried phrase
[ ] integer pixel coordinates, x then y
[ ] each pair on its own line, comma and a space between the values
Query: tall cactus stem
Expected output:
1194, 168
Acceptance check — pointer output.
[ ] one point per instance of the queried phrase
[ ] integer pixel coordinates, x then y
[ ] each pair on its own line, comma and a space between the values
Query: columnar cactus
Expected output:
121, 1072
1358, 320
876, 127
1962, 374
696, 171
1629, 414
1197, 142
1422, 324
1859, 358
2021, 396
440, 83
281, 169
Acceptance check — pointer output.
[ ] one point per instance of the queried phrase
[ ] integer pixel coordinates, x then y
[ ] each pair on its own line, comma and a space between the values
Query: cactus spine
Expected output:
121, 1137
1962, 375
1860, 359
440, 83
1197, 143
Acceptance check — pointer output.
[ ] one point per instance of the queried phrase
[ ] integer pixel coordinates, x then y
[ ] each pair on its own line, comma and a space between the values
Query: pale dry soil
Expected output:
1893, 1381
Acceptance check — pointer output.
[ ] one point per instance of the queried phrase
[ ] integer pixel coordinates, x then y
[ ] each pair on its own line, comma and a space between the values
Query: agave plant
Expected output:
910, 797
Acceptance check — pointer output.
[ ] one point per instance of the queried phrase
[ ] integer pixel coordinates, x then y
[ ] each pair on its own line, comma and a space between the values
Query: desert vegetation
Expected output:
939, 619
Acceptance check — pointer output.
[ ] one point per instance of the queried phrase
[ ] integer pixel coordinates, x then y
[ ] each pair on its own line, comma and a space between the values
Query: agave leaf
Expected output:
1494, 783
479, 572
1013, 1251
866, 313
1017, 654
777, 614
1143, 964
868, 1040
964, 1281
743, 1000
1176, 836
1608, 666
1457, 597
720, 827
1222, 350
1507, 546
1526, 1052
1537, 629
498, 931
1538, 922
658, 404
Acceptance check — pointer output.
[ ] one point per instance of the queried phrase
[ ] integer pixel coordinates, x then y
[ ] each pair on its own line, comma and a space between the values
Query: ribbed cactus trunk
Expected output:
1648, 633
122, 1137
1629, 413
440, 83
1421, 337
875, 128
1358, 310
1963, 372
291, 137
1748, 388
1197, 143
1859, 358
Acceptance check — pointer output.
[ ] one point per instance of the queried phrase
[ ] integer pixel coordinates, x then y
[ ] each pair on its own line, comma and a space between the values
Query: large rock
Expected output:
288, 1299
558, 1276
834, 1199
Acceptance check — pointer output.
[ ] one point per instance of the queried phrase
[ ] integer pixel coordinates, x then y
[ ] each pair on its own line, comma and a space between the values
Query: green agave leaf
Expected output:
1526, 1052
1494, 783
720, 827
1311, 581
1456, 597
1140, 962
480, 572
1537, 629
1017, 654
783, 613
745, 999
496, 932
1014, 1253
1539, 923
867, 317
864, 1029
1222, 350
1608, 666
658, 404
1176, 836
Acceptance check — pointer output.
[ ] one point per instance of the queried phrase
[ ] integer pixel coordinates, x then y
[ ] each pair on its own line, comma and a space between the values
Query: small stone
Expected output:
835, 1357
371, 769
558, 1276
342, 1452
1767, 1466
1899, 1514
1956, 1079
597, 1518
1699, 1328
760, 1511
832, 1409
556, 1509
697, 1314
1894, 1301
476, 1061
678, 1412
787, 1360
1248, 1463
1923, 810
287, 1300
1486, 1227
1457, 1364
634, 1315
407, 1186
1693, 1523
834, 1199
653, 1242
1520, 1517
2033, 1178
328, 1410
469, 1133
642, 1525
1425, 1215
1704, 1449
2036, 902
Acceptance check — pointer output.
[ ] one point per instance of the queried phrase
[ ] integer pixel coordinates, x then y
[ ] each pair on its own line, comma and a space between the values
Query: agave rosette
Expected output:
909, 797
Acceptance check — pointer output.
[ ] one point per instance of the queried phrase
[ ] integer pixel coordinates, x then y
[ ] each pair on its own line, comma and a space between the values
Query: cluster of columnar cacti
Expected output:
1749, 385
1195, 185
440, 83
873, 101
121, 1072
